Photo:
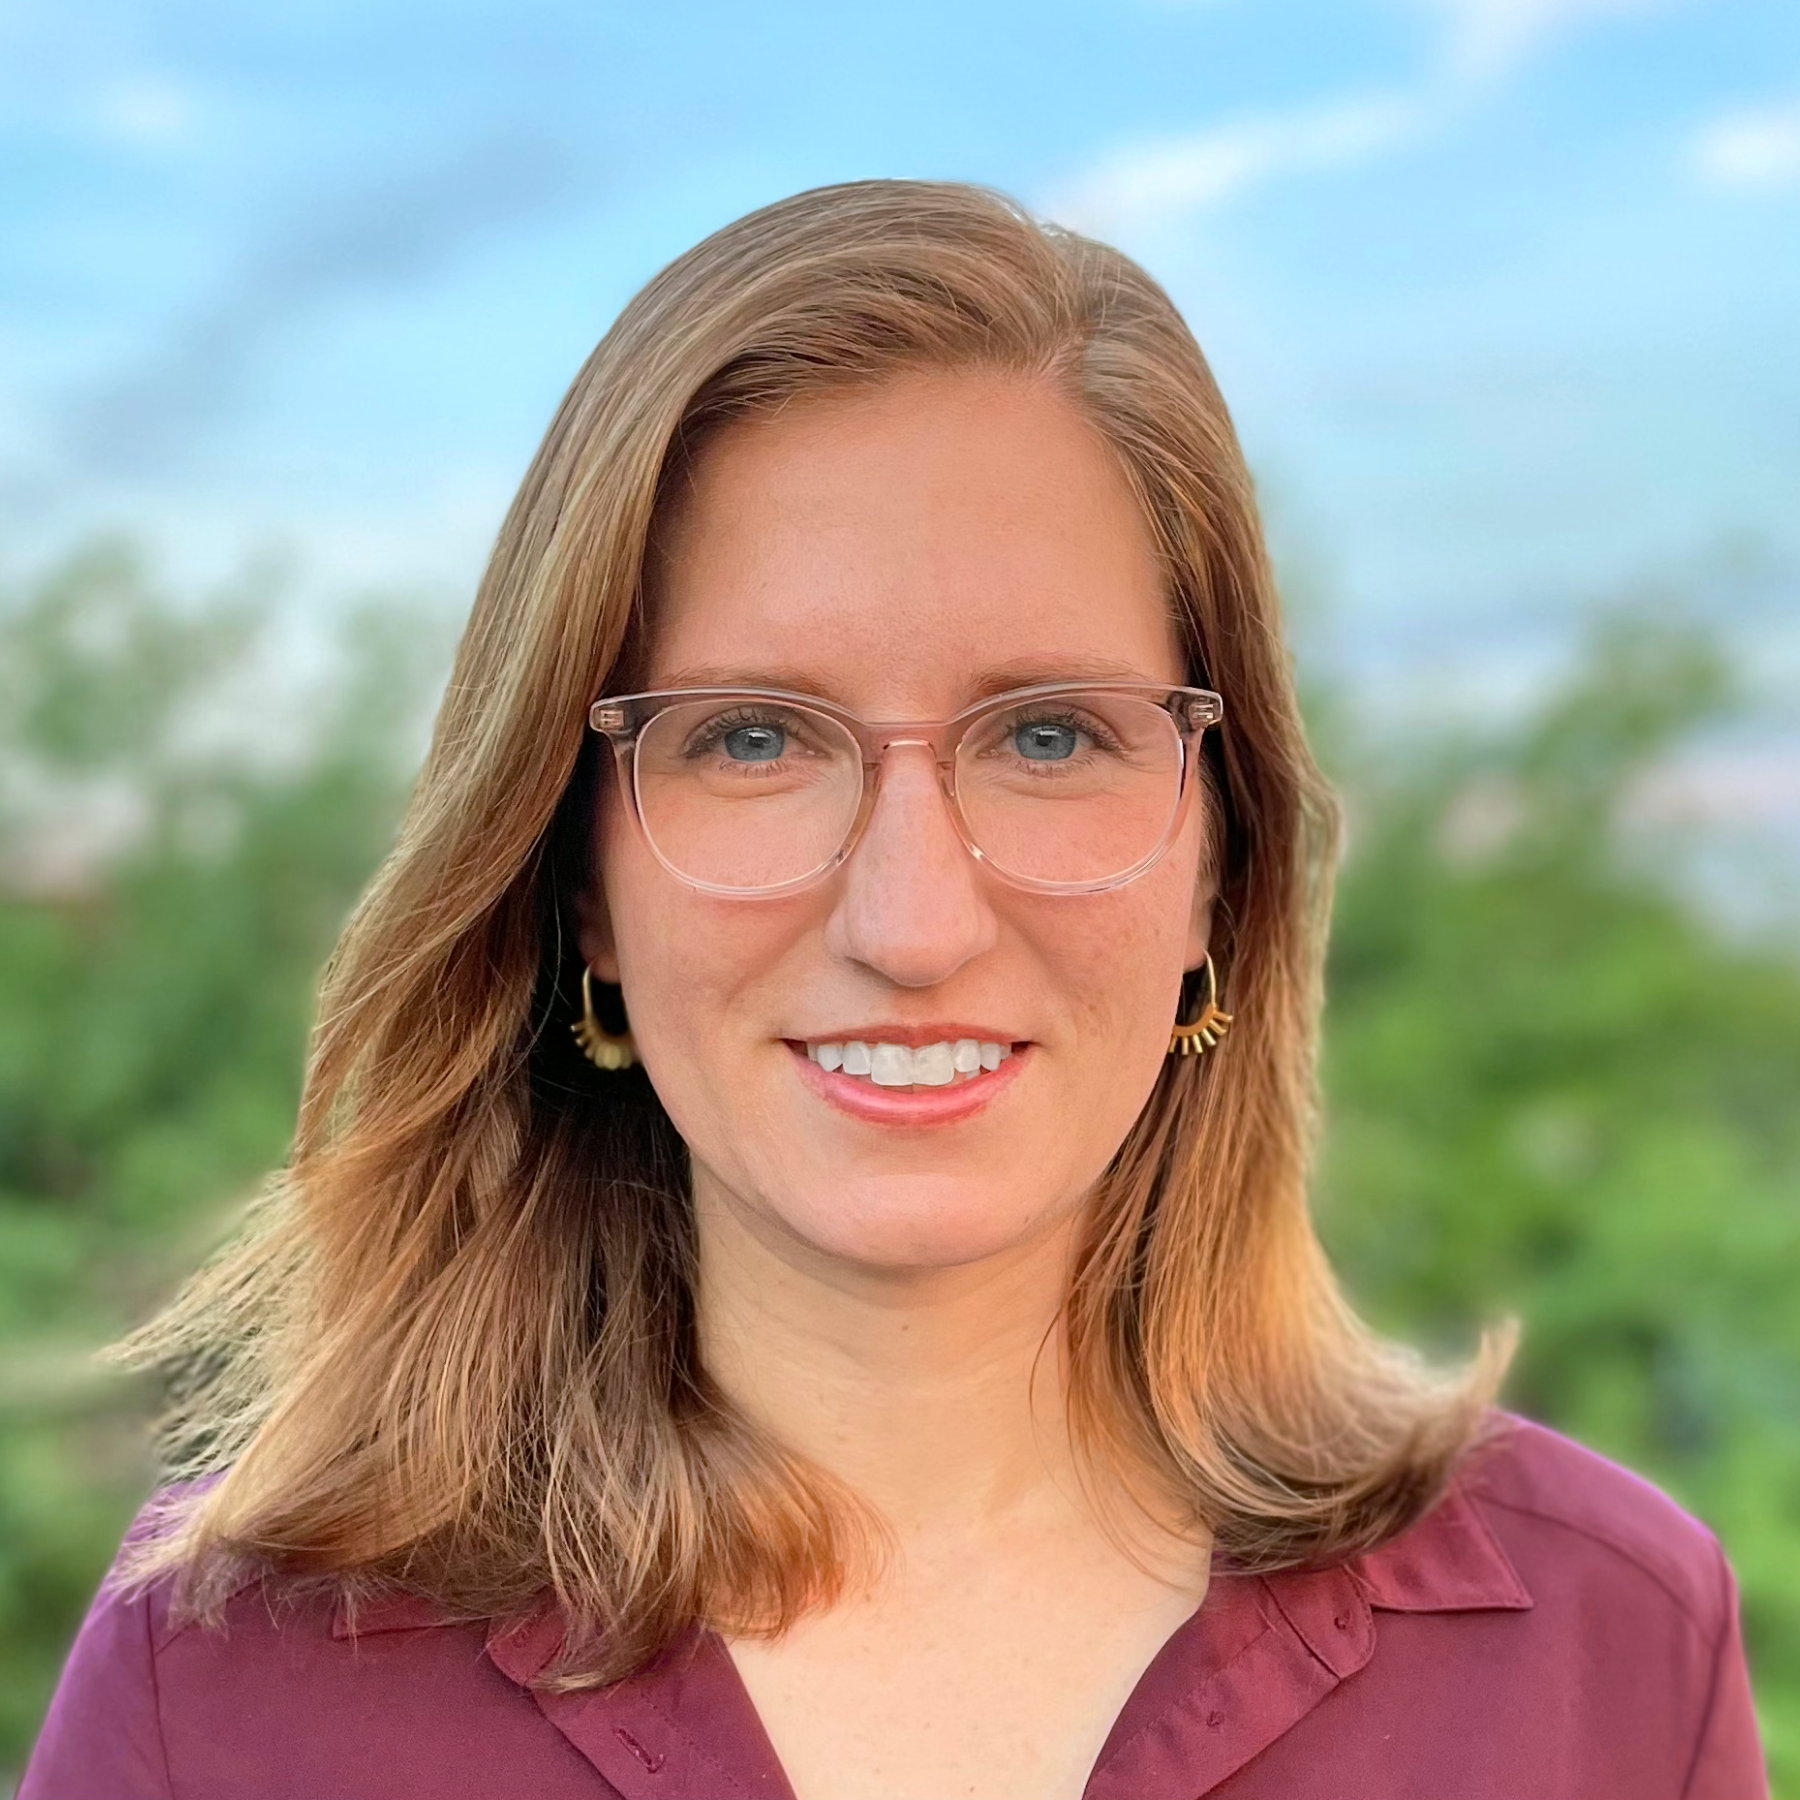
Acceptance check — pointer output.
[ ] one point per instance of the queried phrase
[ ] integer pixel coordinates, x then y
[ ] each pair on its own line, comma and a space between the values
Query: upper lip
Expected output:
910, 1035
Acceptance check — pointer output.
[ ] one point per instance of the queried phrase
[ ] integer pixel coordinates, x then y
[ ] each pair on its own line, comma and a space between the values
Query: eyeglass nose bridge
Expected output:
878, 738
881, 737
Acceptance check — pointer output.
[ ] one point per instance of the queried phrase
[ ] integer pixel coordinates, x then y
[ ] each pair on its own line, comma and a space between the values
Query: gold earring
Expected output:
1199, 1035
598, 1045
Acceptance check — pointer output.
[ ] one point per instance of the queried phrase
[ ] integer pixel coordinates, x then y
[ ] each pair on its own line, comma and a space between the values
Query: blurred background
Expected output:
1505, 295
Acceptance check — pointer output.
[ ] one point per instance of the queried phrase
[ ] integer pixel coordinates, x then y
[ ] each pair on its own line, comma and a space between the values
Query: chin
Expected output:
918, 1222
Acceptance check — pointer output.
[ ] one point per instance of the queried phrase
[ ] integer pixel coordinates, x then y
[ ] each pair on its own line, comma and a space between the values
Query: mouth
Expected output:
891, 1083
946, 1063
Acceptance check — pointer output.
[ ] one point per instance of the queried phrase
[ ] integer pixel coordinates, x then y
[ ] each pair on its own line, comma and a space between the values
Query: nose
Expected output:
912, 904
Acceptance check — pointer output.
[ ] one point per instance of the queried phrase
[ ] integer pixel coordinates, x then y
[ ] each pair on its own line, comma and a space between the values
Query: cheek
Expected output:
692, 966
1130, 977
645, 931
1126, 958
1138, 988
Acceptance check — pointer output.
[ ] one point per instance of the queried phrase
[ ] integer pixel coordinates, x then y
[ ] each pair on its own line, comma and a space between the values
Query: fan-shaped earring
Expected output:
600, 1046
1200, 1034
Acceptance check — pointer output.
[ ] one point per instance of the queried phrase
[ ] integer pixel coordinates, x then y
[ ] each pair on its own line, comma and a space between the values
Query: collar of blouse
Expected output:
1259, 1655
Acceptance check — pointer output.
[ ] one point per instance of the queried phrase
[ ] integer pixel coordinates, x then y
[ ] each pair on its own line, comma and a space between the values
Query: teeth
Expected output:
891, 1065
898, 1065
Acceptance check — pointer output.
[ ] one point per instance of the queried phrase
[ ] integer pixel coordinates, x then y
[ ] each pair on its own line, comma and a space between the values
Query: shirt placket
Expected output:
1270, 1651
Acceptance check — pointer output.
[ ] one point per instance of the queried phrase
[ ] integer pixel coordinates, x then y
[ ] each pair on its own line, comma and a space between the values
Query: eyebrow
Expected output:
1024, 671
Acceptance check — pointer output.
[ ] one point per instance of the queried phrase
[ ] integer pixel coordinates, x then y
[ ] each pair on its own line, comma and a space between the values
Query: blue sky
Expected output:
1505, 294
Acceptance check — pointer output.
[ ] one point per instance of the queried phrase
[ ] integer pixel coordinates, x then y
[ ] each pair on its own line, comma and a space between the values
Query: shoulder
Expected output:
126, 1694
103, 1731
1569, 1517
1632, 1628
1564, 1607
147, 1608
156, 1701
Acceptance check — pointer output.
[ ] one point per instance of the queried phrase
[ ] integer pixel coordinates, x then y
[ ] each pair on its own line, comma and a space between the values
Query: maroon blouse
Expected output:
1554, 1629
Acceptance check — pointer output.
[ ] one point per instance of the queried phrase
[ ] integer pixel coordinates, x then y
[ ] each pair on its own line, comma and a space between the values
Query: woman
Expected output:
790, 1281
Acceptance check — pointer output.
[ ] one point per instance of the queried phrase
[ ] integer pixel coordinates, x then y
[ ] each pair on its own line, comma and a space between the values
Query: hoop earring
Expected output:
598, 1045
1200, 1034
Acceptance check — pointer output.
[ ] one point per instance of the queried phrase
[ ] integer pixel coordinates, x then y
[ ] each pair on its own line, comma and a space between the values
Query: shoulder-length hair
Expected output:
455, 1352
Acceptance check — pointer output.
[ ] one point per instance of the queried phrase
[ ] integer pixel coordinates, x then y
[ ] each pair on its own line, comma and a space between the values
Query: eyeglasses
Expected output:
1064, 788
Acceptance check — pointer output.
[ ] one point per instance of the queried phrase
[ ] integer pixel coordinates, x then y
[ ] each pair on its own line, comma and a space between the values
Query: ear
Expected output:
593, 929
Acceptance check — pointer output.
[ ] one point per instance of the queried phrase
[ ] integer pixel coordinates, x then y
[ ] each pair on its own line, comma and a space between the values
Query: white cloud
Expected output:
1488, 38
1757, 147
1164, 180
1176, 175
150, 110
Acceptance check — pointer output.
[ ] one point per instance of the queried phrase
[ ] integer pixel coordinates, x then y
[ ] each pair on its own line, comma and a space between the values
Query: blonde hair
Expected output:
455, 1351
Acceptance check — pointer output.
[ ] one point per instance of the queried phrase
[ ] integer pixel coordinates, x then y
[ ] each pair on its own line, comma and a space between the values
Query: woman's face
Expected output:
890, 549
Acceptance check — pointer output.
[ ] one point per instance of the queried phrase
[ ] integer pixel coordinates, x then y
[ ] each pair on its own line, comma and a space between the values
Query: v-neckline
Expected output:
1258, 1655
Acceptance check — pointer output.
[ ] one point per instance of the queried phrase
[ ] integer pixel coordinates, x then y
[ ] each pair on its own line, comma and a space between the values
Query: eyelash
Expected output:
719, 727
1076, 722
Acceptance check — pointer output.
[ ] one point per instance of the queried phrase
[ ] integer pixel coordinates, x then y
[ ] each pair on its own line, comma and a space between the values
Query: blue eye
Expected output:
754, 743
1044, 740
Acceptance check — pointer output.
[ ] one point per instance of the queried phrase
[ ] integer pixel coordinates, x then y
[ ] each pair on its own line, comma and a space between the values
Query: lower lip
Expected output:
909, 1106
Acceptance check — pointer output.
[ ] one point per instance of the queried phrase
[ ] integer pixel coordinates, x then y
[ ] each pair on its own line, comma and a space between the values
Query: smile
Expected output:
902, 1084
918, 1065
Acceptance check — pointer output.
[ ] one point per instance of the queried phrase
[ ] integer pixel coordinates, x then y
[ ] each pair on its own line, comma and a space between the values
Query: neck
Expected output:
938, 1395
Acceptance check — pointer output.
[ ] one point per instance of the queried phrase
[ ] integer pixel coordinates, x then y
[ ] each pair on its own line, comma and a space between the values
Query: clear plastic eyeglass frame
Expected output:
620, 718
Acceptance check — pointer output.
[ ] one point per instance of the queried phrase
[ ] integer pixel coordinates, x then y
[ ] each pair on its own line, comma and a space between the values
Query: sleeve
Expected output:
1728, 1759
102, 1735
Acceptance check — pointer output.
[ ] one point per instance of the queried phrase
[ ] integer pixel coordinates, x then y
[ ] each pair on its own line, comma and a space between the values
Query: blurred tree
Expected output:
171, 878
1553, 1087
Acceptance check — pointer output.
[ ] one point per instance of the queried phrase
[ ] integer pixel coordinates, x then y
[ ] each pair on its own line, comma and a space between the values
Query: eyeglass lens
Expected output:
750, 793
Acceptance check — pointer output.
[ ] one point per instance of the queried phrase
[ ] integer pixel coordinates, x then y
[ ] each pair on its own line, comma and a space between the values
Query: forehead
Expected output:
905, 549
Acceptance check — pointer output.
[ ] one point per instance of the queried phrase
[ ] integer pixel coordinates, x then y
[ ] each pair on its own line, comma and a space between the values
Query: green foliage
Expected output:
1552, 1089
167, 894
